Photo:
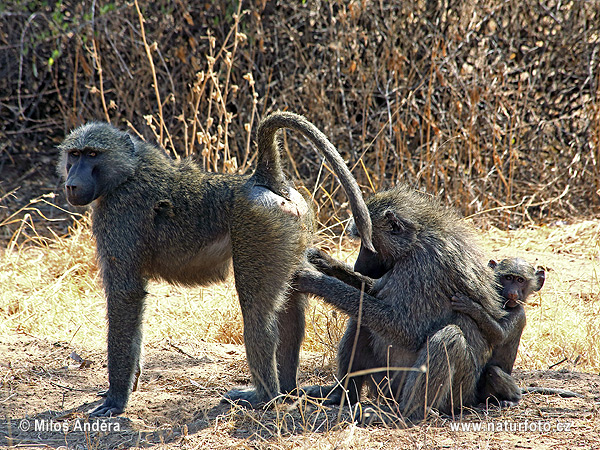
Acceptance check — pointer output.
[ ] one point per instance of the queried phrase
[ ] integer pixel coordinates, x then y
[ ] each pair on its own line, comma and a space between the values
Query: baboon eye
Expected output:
92, 154
508, 277
520, 280
75, 153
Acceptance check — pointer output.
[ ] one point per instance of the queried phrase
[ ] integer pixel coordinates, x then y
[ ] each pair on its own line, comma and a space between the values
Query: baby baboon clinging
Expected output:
516, 280
158, 218
425, 254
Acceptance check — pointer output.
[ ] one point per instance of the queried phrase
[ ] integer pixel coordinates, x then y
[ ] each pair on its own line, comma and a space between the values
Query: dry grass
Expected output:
563, 319
51, 291
488, 104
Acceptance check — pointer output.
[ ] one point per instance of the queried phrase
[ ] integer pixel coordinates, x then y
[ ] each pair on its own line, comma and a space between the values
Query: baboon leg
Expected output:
450, 378
261, 336
135, 384
498, 387
292, 323
260, 356
263, 295
124, 348
362, 357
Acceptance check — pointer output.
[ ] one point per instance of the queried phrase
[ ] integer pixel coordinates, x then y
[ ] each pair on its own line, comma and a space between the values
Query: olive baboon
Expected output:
158, 218
425, 254
516, 280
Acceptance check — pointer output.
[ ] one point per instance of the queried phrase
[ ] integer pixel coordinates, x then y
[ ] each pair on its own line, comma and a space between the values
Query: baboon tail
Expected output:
270, 173
550, 391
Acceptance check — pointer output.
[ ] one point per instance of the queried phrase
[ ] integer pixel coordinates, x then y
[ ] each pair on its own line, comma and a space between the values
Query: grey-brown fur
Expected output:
425, 253
158, 218
516, 281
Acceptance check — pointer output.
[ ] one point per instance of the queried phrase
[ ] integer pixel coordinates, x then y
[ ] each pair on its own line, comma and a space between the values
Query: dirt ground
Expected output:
45, 394
46, 387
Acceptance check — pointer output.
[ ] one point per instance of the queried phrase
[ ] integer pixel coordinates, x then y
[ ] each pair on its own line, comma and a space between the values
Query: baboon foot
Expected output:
248, 398
383, 416
107, 409
327, 395
498, 403
508, 403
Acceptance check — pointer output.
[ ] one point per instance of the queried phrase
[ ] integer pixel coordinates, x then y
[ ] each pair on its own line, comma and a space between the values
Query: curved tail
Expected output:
269, 171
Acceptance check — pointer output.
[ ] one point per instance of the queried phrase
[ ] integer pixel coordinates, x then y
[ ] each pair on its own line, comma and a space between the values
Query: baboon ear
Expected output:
492, 263
127, 143
399, 224
540, 277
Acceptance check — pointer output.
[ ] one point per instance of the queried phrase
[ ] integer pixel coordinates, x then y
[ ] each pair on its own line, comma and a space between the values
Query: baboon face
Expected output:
81, 185
95, 158
369, 263
395, 231
393, 236
517, 279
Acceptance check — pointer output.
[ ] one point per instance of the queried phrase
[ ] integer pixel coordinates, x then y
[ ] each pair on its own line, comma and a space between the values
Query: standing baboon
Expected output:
516, 280
424, 253
158, 218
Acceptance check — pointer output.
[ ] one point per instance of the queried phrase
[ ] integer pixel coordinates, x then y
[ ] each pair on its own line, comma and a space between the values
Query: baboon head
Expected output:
398, 216
517, 279
95, 158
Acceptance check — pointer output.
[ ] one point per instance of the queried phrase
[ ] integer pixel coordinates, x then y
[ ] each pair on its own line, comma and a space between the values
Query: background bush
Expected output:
489, 104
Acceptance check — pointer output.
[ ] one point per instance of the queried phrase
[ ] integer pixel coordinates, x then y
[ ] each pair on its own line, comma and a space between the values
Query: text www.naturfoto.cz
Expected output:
525, 426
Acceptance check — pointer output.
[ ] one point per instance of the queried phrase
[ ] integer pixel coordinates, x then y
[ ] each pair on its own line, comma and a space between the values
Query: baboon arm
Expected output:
381, 316
505, 353
492, 330
125, 290
337, 269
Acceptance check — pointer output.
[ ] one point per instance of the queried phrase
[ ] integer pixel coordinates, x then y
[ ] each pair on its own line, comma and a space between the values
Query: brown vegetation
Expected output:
489, 104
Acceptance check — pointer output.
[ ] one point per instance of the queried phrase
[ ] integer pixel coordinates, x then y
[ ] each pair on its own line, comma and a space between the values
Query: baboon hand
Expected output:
462, 303
319, 259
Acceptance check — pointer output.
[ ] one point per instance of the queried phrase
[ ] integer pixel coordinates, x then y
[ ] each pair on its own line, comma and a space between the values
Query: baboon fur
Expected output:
154, 217
424, 254
516, 281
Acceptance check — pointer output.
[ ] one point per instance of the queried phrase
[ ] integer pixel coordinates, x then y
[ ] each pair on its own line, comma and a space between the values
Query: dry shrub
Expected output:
488, 104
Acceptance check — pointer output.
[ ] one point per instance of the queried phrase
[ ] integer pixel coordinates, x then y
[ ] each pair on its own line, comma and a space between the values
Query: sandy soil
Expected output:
45, 393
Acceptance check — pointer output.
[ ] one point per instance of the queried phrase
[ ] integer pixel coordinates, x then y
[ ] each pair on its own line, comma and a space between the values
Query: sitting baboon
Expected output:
425, 253
516, 280
154, 217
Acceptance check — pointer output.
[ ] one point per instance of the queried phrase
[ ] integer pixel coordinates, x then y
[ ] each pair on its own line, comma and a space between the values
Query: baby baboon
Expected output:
516, 280
158, 218
424, 252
